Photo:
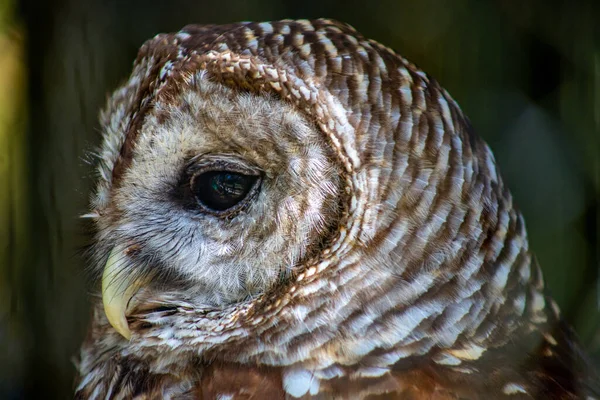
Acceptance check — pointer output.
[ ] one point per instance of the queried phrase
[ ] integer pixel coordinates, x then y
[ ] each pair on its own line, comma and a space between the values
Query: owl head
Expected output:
281, 191
223, 195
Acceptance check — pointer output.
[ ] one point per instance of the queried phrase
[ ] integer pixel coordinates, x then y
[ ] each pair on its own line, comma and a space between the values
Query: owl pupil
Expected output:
221, 190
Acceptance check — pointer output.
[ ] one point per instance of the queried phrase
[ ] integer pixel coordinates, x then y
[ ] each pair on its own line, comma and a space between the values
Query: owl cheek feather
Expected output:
118, 289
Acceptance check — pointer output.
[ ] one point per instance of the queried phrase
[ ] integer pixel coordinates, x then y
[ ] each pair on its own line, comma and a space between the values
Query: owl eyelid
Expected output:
212, 162
222, 166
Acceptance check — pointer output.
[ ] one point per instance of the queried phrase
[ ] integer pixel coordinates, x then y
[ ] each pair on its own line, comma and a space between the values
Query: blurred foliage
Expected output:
13, 191
526, 72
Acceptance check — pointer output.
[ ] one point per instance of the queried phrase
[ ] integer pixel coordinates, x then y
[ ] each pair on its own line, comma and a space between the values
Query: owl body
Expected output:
291, 210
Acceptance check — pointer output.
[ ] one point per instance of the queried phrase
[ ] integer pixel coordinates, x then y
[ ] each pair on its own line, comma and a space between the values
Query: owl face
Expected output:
225, 194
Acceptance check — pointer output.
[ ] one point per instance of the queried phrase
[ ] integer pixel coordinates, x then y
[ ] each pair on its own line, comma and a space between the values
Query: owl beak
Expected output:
117, 291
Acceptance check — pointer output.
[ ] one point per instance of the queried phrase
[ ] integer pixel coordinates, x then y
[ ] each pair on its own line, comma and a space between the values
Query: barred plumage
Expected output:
381, 256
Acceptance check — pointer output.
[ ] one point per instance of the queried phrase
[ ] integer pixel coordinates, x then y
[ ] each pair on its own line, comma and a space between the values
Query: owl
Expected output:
291, 210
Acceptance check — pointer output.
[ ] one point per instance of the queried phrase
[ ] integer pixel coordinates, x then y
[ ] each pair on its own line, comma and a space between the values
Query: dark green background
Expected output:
527, 73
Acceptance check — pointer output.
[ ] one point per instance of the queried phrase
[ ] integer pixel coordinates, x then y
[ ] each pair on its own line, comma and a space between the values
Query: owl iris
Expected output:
222, 190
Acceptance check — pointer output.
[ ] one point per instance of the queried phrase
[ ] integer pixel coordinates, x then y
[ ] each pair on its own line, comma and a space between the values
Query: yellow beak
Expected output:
117, 291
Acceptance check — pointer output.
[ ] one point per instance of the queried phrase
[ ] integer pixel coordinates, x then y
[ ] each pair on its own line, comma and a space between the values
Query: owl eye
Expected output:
221, 191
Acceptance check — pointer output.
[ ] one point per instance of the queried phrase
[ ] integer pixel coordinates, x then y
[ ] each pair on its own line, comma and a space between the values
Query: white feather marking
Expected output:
555, 308
491, 164
519, 303
91, 215
300, 312
84, 382
314, 386
371, 372
525, 272
550, 339
401, 326
95, 393
305, 92
266, 27
328, 46
298, 382
472, 352
513, 388
537, 302
392, 357
182, 35
501, 276
165, 69
446, 359
464, 370
423, 76
330, 373
361, 347
305, 50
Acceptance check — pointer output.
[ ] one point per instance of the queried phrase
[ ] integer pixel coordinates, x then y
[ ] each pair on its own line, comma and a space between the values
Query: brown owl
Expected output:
291, 210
